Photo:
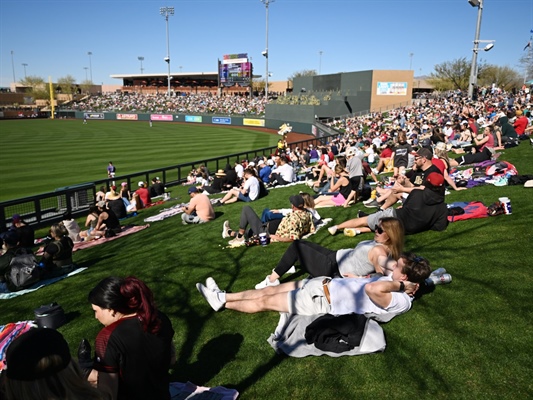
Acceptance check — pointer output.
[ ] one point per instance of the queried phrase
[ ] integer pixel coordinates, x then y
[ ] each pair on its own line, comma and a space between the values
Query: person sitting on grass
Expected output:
369, 256
108, 224
90, 223
57, 255
199, 210
40, 367
294, 225
340, 189
144, 194
249, 190
424, 209
391, 295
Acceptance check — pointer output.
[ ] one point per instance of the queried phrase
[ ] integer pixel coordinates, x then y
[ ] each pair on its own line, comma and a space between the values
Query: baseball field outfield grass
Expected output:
41, 155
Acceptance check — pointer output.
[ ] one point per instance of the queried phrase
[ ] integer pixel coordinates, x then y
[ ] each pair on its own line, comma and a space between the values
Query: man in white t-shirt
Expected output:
391, 295
249, 190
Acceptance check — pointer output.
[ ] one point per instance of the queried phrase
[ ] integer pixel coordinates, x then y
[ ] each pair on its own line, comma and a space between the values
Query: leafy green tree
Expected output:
36, 87
67, 85
526, 64
450, 75
504, 77
304, 72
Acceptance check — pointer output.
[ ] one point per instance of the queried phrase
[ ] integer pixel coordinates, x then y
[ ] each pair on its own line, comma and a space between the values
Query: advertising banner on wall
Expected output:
131, 117
93, 115
253, 122
193, 118
221, 120
392, 89
161, 117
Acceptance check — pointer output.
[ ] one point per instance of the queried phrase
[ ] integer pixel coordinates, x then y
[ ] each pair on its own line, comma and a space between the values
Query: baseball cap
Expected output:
297, 201
193, 189
141, 183
423, 152
435, 179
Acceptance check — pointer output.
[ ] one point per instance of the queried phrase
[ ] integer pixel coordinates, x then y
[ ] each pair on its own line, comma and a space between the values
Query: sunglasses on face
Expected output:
379, 230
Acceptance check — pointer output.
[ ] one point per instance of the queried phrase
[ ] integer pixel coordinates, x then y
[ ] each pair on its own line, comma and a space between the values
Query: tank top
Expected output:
355, 261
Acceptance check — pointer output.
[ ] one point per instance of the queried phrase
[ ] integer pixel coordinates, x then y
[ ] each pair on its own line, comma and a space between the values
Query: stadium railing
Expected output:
48, 208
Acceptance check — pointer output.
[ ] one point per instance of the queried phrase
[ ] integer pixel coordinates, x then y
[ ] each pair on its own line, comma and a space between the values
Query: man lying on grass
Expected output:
391, 294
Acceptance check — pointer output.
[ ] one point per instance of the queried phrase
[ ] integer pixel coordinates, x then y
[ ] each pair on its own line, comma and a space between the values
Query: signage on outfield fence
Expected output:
93, 115
219, 120
253, 122
193, 118
131, 117
161, 117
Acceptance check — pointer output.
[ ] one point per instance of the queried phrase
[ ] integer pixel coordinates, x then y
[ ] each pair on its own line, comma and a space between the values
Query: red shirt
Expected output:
520, 125
386, 153
144, 195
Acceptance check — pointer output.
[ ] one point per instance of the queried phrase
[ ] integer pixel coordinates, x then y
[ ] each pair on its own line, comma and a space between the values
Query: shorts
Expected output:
338, 199
244, 197
373, 219
309, 299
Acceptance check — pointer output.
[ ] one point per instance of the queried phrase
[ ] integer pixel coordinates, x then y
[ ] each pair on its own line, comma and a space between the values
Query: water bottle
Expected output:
438, 279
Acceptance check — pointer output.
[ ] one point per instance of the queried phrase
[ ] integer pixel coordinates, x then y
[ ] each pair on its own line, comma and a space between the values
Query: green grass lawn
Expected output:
471, 339
41, 155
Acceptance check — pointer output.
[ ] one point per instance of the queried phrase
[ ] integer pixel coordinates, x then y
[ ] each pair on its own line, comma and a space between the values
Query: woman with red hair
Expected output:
134, 350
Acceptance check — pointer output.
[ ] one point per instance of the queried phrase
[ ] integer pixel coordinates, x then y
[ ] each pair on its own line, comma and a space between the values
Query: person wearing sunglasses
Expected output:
369, 256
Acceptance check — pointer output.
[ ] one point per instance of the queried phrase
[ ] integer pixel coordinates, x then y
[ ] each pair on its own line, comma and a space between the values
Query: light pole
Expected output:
265, 53
85, 68
473, 68
166, 12
24, 65
13, 66
319, 61
141, 59
89, 53
411, 61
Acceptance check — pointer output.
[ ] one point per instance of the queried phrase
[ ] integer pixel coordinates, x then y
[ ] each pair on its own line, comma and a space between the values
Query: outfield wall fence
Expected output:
48, 208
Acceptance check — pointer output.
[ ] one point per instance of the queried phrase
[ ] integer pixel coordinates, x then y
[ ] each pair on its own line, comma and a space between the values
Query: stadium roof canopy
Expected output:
176, 79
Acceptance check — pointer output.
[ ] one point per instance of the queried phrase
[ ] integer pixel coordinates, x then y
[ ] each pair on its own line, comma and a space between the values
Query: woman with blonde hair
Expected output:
369, 256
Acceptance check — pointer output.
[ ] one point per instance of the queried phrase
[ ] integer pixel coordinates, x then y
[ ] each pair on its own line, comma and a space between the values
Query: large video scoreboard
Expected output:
235, 69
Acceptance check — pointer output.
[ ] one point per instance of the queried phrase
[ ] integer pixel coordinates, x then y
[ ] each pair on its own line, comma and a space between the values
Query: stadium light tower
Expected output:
13, 66
166, 12
265, 53
473, 68
141, 59
85, 68
24, 65
320, 61
89, 53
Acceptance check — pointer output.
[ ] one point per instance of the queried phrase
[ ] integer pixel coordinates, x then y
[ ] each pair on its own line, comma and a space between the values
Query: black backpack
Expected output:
23, 271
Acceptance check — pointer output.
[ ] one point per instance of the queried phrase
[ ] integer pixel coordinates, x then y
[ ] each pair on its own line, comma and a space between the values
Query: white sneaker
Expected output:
266, 283
225, 230
292, 270
212, 285
332, 230
351, 232
237, 241
210, 296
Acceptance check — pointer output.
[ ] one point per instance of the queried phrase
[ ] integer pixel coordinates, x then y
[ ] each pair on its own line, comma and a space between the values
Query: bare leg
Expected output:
390, 201
360, 223
276, 302
256, 294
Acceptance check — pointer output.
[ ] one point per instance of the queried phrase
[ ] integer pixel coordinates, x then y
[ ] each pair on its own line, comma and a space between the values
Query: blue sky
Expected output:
54, 37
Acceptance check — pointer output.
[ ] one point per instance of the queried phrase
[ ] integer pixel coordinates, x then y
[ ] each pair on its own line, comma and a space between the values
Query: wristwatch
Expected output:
402, 286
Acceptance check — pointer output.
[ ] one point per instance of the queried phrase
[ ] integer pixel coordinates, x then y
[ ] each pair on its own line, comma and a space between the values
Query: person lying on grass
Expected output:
390, 295
294, 225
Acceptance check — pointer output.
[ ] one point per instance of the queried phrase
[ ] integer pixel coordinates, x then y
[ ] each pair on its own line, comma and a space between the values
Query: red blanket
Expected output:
126, 230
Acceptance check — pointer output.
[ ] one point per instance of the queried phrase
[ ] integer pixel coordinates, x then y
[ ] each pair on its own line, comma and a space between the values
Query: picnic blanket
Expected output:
289, 338
39, 285
10, 332
185, 391
126, 230
472, 209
